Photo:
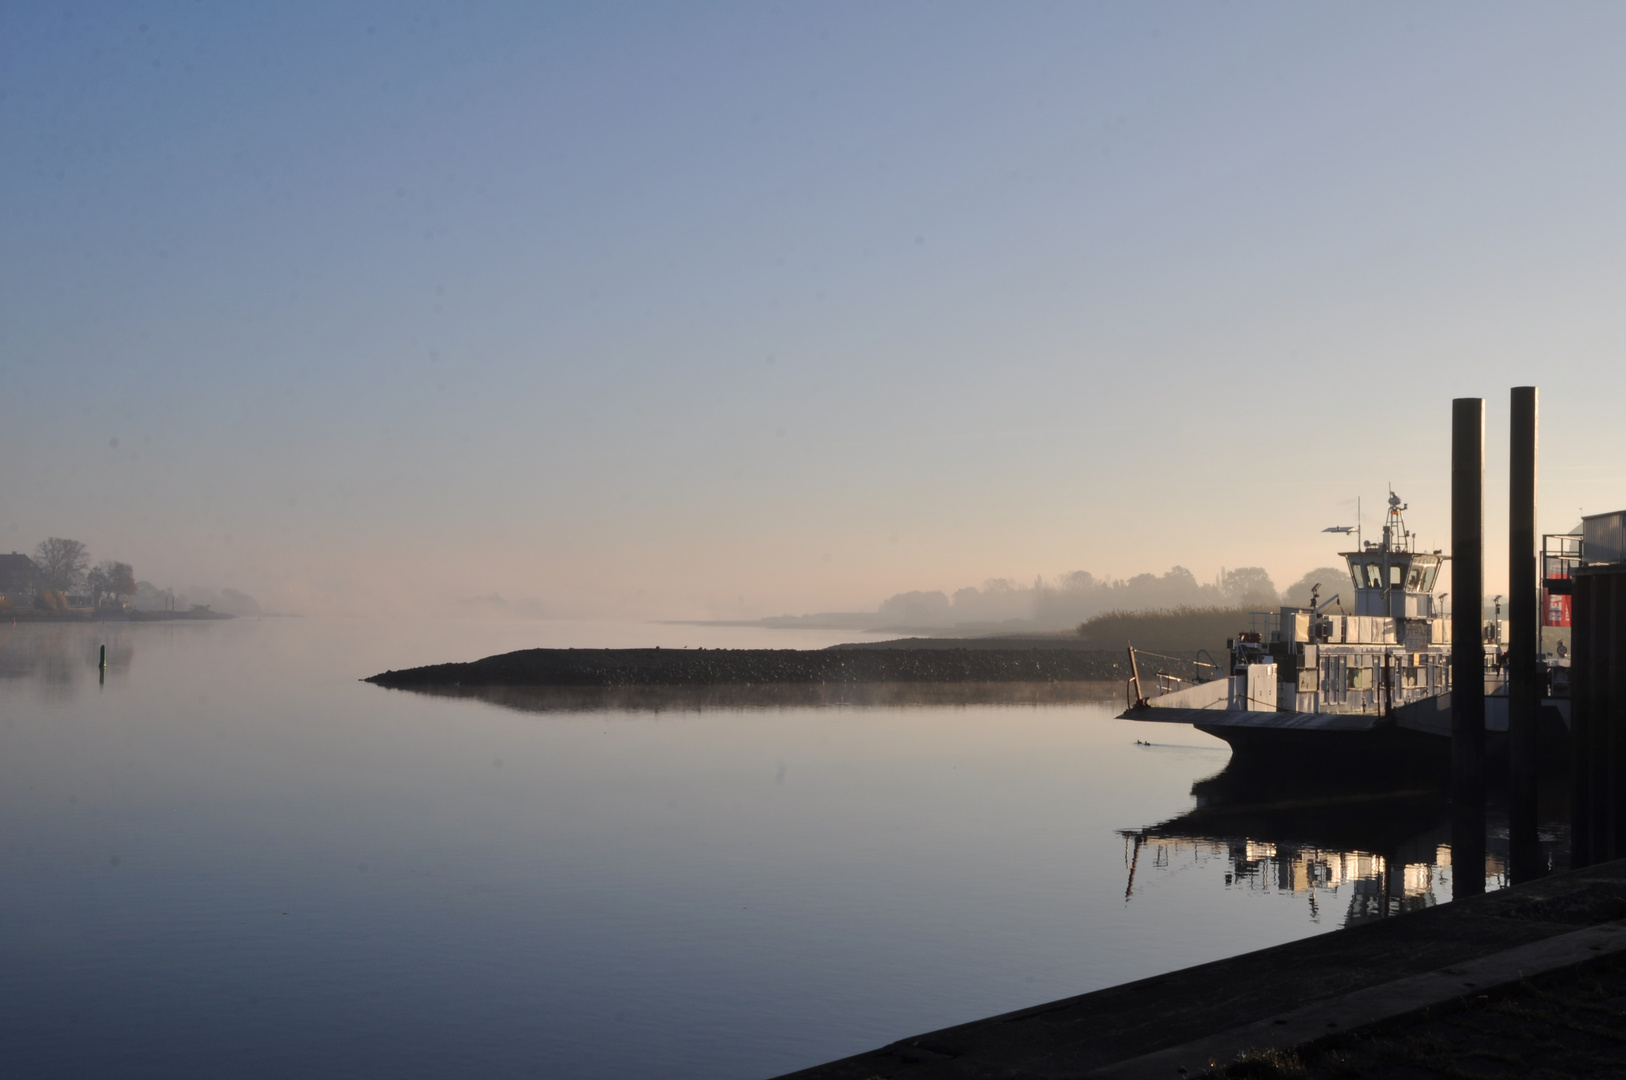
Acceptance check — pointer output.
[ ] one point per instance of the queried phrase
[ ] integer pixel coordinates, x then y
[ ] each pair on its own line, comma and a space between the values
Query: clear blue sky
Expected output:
736, 310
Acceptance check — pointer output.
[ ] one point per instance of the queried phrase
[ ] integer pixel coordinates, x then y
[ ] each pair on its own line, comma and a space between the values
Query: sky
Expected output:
722, 311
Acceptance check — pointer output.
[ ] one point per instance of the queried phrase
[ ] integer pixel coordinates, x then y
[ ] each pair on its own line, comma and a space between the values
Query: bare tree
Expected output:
61, 562
111, 579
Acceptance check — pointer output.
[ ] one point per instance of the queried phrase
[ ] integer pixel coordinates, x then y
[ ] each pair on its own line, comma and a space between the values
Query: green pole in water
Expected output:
103, 664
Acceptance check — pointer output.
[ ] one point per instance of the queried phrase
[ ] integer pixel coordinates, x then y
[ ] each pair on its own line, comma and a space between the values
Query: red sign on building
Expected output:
1555, 609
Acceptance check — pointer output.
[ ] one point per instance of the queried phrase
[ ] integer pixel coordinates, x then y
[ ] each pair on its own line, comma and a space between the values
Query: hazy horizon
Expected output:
738, 311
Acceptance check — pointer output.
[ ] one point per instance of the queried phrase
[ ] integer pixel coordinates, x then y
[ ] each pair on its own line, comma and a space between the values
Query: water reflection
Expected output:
56, 656
546, 699
323, 878
1356, 848
1359, 885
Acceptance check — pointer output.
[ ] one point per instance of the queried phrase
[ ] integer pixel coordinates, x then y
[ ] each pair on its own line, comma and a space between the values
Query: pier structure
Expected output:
1598, 693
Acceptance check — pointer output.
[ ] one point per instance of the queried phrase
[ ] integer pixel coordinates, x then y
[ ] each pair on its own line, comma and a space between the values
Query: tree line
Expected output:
62, 567
1067, 600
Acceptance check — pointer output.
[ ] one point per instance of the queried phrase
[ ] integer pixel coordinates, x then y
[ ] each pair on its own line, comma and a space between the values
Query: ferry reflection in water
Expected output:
1354, 882
1357, 849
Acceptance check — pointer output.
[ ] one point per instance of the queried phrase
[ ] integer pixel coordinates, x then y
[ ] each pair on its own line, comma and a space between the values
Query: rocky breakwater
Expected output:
749, 667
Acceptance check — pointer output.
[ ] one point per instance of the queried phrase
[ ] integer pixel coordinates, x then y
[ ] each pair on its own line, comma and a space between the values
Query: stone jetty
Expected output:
723, 667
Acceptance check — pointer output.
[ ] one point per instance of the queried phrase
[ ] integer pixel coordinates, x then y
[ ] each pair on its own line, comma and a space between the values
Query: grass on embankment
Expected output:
1171, 630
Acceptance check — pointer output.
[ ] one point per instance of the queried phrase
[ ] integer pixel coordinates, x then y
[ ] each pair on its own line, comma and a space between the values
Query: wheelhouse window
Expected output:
1374, 575
1394, 575
1414, 580
1430, 572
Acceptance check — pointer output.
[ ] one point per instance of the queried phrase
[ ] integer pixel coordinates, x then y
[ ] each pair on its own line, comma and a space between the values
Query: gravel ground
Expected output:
1566, 1024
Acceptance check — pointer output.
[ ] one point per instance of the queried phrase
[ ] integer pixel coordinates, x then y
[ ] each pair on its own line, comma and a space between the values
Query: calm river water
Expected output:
231, 858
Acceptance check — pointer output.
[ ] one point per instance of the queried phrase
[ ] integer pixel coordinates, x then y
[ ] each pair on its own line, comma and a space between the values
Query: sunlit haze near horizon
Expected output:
701, 311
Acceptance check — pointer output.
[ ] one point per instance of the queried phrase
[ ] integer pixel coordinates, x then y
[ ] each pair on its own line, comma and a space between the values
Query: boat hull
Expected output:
1344, 751
1420, 731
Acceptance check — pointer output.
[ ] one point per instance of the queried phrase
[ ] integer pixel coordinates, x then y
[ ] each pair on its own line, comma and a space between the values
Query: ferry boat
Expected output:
1368, 674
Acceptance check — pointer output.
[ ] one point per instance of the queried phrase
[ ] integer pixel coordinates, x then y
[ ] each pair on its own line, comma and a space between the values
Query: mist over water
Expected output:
228, 856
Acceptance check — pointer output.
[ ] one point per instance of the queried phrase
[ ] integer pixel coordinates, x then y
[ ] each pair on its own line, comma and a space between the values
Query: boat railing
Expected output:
1198, 670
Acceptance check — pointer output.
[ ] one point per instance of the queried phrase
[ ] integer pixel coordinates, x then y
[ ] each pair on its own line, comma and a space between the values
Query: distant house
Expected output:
19, 577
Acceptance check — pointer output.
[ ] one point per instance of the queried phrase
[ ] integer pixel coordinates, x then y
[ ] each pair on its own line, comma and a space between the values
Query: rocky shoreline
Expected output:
749, 667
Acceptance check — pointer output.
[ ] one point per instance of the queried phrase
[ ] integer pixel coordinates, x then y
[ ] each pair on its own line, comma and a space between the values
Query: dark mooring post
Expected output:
1467, 646
1523, 686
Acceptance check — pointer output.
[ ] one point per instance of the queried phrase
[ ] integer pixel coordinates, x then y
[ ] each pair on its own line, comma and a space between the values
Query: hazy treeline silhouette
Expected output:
59, 576
58, 569
1066, 601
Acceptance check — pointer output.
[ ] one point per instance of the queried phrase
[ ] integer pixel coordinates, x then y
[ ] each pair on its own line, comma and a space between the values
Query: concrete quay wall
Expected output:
1269, 1012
